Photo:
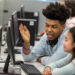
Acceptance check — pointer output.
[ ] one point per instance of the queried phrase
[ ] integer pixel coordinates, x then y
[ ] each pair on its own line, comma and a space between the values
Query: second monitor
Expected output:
30, 23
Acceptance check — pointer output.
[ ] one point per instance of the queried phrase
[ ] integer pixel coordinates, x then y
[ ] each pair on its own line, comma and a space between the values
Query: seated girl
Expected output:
65, 66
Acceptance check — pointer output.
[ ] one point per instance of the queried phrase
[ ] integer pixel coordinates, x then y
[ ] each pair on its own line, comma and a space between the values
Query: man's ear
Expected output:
63, 26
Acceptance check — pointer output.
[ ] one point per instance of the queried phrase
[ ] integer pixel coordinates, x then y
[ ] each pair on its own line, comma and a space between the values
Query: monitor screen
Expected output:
10, 45
15, 27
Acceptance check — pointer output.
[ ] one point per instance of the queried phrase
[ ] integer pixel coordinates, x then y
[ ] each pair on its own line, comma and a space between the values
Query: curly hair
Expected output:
56, 11
71, 4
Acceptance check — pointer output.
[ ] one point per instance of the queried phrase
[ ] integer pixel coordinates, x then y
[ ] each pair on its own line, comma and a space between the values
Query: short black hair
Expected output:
56, 11
71, 4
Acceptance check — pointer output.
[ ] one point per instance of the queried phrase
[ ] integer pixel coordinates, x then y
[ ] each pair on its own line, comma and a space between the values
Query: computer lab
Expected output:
37, 37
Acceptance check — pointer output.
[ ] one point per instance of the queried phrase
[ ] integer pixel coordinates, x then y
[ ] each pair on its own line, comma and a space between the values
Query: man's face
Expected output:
53, 28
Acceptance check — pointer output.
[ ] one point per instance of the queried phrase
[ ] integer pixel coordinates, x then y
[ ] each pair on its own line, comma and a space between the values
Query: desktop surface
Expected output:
11, 71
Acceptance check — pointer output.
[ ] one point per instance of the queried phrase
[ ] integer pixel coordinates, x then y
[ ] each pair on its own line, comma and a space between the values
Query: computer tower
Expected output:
31, 15
30, 24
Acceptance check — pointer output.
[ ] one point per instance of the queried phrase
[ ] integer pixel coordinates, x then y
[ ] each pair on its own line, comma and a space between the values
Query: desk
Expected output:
19, 57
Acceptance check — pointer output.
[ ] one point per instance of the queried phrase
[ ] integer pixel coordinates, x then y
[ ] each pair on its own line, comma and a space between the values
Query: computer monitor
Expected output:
30, 24
14, 35
10, 44
0, 37
15, 28
33, 15
11, 55
22, 15
0, 42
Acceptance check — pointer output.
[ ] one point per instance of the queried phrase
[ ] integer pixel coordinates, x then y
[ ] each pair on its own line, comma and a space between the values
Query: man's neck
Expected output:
53, 42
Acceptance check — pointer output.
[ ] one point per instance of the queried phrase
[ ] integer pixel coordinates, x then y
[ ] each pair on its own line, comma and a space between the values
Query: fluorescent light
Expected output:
44, 0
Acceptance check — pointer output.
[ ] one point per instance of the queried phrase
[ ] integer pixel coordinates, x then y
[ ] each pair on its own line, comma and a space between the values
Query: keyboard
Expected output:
30, 69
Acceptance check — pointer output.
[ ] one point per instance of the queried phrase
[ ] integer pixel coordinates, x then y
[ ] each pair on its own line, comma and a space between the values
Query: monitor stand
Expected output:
2, 61
9, 71
15, 50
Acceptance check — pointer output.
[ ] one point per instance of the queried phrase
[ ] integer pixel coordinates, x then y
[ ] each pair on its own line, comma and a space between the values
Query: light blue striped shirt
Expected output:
42, 48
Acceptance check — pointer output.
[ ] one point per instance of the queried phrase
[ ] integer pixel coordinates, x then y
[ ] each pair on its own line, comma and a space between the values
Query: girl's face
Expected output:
68, 43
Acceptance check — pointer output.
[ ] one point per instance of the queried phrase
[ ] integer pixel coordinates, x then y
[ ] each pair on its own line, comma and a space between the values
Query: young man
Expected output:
50, 47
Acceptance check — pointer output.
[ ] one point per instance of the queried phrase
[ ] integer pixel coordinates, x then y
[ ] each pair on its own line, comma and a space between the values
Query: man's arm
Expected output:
37, 51
56, 56
60, 63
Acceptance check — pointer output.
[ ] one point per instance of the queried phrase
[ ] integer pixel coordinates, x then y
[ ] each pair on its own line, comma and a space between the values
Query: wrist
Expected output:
25, 50
27, 45
26, 42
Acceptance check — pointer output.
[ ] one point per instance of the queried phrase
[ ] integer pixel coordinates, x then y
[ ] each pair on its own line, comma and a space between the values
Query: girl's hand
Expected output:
47, 71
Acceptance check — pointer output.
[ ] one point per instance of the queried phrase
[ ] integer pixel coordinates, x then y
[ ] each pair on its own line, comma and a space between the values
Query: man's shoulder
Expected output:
65, 31
63, 35
44, 37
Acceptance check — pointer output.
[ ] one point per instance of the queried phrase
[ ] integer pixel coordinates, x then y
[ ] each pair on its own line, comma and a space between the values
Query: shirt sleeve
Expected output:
59, 54
69, 69
60, 63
